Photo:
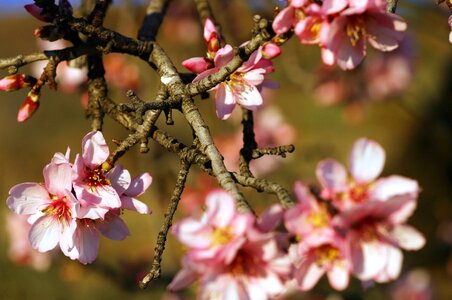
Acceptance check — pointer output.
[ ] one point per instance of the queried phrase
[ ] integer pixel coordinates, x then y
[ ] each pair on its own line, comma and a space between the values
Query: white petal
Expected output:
27, 198
44, 233
407, 237
366, 160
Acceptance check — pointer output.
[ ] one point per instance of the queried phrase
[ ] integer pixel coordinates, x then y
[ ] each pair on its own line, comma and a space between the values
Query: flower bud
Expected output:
16, 82
270, 51
36, 12
28, 107
197, 64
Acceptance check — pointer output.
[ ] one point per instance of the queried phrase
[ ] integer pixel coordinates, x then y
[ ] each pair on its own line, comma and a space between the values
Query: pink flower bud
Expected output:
16, 82
270, 51
29, 106
197, 64
36, 12
209, 29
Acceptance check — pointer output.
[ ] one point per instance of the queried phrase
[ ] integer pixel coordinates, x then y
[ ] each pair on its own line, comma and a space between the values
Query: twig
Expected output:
155, 271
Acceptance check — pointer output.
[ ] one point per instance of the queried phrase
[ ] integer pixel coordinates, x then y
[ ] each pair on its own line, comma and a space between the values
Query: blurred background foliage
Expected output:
414, 125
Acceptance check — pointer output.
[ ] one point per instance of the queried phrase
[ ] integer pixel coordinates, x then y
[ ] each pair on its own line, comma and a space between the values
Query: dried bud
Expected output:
49, 33
270, 51
16, 82
37, 12
28, 107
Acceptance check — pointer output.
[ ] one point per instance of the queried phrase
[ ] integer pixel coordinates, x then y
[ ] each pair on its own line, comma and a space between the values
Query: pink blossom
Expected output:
308, 217
216, 237
86, 236
239, 89
376, 231
256, 267
366, 163
316, 255
51, 207
98, 189
343, 40
20, 251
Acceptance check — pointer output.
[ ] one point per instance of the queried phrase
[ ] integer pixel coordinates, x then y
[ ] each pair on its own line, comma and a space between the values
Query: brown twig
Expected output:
155, 271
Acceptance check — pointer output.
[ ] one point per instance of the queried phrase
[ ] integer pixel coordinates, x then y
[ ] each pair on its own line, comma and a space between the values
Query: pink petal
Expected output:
284, 20
255, 76
333, 6
407, 237
393, 265
27, 198
58, 178
308, 274
368, 257
197, 64
338, 276
44, 233
366, 160
86, 241
223, 56
135, 205
119, 178
95, 149
209, 28
385, 30
250, 97
332, 175
183, 278
113, 228
192, 233
139, 185
224, 101
386, 188
220, 207
270, 218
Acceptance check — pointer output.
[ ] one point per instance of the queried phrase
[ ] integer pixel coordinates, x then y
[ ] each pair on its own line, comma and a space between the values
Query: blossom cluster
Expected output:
244, 85
79, 201
356, 226
341, 28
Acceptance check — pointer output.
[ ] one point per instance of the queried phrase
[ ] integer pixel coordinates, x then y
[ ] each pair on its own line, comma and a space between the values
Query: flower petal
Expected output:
113, 228
366, 160
27, 198
332, 175
139, 185
224, 101
44, 233
407, 237
95, 149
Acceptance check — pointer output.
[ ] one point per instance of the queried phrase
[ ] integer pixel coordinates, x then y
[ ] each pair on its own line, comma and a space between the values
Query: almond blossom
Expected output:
255, 268
366, 163
97, 187
319, 254
218, 235
344, 39
376, 231
341, 28
51, 206
20, 250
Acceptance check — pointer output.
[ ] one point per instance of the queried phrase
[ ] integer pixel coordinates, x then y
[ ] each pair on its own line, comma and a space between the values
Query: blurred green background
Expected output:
415, 128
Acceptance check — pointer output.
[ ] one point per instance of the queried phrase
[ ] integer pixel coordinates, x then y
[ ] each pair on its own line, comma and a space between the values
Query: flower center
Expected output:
58, 208
326, 254
358, 193
319, 218
355, 29
221, 236
95, 178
